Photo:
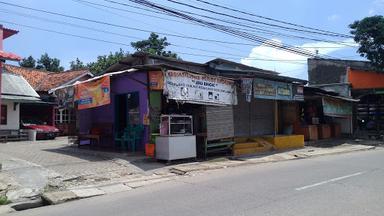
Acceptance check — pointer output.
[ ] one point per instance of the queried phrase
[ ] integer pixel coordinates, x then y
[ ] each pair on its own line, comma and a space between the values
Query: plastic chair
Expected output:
136, 136
123, 139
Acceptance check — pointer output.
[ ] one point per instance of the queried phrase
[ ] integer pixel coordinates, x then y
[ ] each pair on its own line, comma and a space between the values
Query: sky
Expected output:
328, 15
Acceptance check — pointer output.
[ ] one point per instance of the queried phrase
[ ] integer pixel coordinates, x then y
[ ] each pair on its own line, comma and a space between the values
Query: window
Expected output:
64, 116
3, 114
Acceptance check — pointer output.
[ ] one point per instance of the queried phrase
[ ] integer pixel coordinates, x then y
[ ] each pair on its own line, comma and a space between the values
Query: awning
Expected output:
92, 79
336, 107
21, 99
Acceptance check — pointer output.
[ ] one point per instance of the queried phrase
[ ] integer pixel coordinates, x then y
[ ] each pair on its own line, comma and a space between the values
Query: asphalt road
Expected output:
347, 184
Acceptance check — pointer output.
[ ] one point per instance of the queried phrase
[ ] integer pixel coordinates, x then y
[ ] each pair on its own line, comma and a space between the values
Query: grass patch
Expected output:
4, 200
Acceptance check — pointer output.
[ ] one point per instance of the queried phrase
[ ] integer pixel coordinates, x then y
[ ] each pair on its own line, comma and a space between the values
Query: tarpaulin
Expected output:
93, 94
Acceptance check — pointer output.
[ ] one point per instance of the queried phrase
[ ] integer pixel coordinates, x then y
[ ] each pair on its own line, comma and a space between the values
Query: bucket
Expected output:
150, 150
32, 135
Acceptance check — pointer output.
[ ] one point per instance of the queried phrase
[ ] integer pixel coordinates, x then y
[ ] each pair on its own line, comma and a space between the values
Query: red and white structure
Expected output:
4, 34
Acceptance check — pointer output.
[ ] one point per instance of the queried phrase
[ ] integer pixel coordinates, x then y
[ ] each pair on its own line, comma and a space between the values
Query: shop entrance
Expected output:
369, 115
127, 110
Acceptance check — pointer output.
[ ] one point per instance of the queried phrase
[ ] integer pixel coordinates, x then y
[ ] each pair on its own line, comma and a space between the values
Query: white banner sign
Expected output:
200, 89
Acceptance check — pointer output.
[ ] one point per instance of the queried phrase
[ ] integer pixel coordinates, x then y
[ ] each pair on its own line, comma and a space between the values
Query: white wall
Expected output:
13, 116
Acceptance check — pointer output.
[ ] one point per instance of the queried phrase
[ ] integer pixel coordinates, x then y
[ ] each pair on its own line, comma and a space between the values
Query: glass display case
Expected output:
176, 125
176, 140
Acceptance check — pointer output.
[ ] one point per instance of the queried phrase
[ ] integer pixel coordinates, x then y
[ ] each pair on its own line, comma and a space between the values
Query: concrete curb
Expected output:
58, 197
231, 163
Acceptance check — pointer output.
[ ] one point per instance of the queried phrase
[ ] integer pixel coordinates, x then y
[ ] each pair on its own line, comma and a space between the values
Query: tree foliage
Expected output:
49, 64
43, 63
28, 62
103, 62
369, 33
77, 65
154, 45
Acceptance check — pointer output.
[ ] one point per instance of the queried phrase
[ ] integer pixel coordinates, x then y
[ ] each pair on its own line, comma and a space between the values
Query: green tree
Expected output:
49, 64
77, 65
154, 45
28, 62
369, 33
103, 62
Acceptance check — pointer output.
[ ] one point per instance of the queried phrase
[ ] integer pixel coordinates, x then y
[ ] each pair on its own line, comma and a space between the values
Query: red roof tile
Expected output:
45, 80
9, 56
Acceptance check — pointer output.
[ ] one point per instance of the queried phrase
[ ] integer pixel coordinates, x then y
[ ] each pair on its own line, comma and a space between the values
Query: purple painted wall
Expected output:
120, 84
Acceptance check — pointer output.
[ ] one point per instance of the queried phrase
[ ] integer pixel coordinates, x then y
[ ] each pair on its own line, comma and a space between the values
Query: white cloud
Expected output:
333, 17
378, 2
287, 63
371, 12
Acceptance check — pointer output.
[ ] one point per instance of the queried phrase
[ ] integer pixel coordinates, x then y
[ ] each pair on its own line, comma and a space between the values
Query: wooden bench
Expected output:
13, 135
214, 146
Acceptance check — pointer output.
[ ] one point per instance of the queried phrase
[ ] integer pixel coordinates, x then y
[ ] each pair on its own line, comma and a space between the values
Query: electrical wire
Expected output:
128, 45
269, 18
249, 28
125, 27
226, 29
259, 22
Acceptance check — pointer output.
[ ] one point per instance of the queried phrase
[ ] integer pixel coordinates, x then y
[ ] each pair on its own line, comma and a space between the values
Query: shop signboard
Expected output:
298, 92
336, 108
93, 94
156, 80
268, 89
199, 88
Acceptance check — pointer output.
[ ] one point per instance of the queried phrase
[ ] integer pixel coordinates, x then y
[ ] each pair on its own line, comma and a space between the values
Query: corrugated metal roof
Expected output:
23, 99
16, 85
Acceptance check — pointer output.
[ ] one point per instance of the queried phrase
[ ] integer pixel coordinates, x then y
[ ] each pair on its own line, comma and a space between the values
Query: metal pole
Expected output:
1, 65
276, 123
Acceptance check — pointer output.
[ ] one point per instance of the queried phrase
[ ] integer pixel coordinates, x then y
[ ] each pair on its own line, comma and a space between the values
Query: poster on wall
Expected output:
93, 94
199, 88
65, 97
156, 80
268, 89
246, 88
336, 108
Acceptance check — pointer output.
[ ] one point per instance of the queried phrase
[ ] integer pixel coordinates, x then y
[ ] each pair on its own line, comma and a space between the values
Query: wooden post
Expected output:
276, 119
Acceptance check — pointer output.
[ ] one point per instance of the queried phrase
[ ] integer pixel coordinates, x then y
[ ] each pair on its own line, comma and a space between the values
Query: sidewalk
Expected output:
60, 172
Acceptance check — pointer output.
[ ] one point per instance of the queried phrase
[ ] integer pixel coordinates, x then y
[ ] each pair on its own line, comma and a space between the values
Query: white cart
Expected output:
176, 140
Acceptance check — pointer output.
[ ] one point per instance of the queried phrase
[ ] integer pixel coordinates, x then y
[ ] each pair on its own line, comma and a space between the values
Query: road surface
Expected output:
347, 184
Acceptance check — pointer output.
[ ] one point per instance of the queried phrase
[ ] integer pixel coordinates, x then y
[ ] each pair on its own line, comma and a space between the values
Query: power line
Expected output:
63, 33
88, 3
107, 32
129, 11
126, 27
93, 5
254, 28
254, 21
124, 44
84, 19
268, 18
226, 29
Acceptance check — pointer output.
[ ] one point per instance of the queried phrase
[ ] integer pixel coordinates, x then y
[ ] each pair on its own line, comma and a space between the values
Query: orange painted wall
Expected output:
365, 79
